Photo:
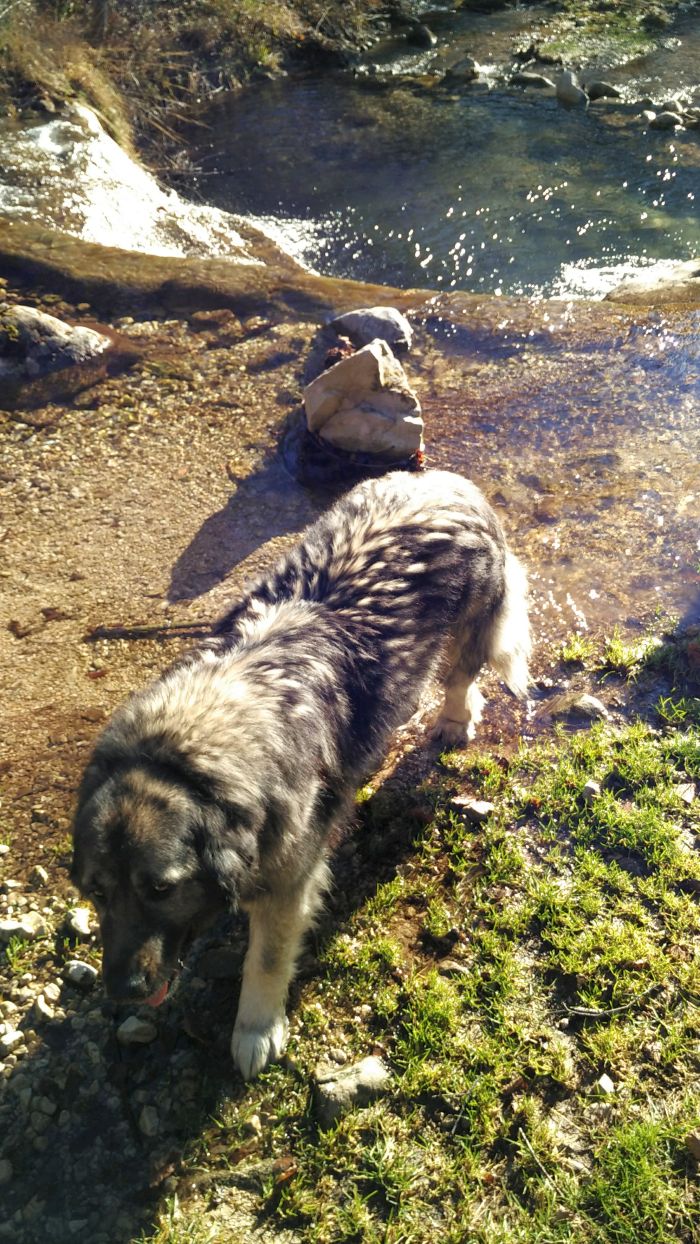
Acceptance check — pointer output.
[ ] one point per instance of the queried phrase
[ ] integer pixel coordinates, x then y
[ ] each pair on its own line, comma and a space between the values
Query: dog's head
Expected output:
159, 860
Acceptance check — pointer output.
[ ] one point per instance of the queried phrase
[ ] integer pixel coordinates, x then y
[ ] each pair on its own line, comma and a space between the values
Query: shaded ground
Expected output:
143, 504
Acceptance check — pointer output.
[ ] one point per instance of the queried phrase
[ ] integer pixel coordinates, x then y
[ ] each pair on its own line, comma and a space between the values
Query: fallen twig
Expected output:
194, 630
592, 1012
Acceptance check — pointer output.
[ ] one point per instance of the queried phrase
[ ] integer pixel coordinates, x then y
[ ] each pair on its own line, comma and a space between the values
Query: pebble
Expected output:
685, 791
83, 975
339, 1090
29, 927
605, 1084
4, 849
576, 704
537, 80
10, 1040
136, 1031
591, 791
79, 922
149, 1122
42, 1009
38, 876
476, 810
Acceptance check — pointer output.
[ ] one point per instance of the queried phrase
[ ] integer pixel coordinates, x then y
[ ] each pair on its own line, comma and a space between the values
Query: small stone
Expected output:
591, 791
648, 115
52, 992
79, 922
6, 1171
83, 975
536, 80
666, 121
149, 1122
45, 1106
38, 876
4, 849
339, 1090
136, 1031
605, 1084
254, 1125
42, 1010
28, 928
685, 791
476, 810
576, 704
568, 90
464, 70
602, 90
452, 967
369, 323
692, 1144
10, 1040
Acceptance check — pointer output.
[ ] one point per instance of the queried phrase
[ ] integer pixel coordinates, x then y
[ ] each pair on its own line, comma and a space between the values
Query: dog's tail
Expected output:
509, 648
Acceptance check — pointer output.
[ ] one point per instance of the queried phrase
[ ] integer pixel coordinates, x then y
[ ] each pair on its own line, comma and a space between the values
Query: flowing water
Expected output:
488, 188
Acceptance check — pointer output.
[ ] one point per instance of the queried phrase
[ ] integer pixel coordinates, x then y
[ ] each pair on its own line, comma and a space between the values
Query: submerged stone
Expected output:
369, 323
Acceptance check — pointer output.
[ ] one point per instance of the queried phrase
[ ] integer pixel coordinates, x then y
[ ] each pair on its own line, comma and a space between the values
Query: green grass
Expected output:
501, 970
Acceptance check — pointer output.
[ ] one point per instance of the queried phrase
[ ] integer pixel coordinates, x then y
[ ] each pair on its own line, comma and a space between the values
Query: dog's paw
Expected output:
253, 1048
446, 730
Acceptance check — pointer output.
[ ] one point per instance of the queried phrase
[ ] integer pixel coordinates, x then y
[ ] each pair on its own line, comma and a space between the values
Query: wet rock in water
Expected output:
421, 36
569, 92
464, 70
662, 283
648, 116
537, 80
365, 404
666, 121
338, 1090
369, 323
602, 90
43, 358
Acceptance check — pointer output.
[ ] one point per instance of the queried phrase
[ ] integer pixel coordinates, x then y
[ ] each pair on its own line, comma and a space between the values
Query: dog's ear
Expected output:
227, 845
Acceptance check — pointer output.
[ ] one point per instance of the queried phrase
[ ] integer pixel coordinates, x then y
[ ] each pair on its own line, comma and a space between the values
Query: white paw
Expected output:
253, 1048
446, 730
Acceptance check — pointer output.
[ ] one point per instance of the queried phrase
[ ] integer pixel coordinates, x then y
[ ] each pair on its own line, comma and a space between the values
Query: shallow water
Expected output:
483, 188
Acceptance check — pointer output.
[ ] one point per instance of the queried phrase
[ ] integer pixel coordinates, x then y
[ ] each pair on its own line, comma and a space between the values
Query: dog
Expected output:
218, 785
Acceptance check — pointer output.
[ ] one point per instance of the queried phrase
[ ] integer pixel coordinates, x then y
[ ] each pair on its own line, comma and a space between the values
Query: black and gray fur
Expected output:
218, 785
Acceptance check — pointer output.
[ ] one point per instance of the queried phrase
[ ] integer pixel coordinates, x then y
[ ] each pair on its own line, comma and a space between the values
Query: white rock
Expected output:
590, 791
52, 992
685, 791
148, 1121
605, 1084
364, 403
370, 323
9, 1040
81, 974
648, 115
27, 928
340, 1089
568, 90
136, 1031
38, 876
44, 343
79, 922
4, 849
475, 810
42, 1009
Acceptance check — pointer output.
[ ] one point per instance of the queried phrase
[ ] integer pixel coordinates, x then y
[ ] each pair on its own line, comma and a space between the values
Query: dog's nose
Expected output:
125, 988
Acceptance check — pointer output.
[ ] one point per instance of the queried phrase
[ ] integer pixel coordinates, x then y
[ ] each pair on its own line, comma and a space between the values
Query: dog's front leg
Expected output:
277, 925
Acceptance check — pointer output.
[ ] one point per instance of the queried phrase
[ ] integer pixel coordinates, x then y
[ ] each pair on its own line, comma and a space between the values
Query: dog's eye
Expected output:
97, 895
161, 889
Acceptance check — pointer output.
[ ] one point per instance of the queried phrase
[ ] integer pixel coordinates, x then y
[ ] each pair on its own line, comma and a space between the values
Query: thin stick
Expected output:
193, 629
536, 1160
592, 1012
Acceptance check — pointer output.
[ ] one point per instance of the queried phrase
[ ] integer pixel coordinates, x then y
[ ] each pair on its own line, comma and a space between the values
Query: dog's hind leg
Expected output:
278, 923
463, 703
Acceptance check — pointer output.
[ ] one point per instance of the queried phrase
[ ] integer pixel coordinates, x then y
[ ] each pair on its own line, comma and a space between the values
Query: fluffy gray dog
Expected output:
218, 785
